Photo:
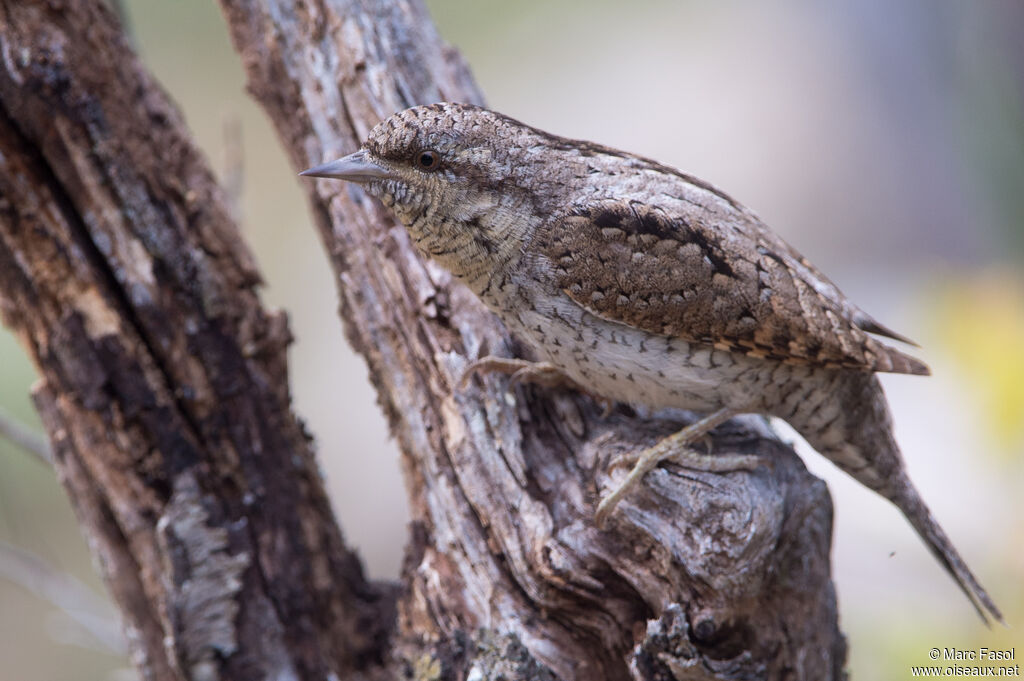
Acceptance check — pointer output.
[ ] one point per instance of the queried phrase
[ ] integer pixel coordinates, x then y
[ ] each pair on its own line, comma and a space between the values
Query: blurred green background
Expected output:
885, 140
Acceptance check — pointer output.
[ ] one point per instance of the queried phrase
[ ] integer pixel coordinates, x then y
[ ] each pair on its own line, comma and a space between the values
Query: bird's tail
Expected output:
852, 428
914, 508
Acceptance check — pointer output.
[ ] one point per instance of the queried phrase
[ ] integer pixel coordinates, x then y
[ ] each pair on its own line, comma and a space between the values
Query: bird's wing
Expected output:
718, 277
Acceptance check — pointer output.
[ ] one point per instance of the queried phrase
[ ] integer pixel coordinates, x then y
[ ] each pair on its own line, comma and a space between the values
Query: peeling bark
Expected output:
164, 387
165, 396
503, 485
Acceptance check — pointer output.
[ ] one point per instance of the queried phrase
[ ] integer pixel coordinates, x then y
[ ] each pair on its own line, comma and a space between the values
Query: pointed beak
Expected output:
356, 167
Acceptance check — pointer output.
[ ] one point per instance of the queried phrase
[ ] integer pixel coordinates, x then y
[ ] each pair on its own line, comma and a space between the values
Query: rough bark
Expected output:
729, 574
164, 393
164, 387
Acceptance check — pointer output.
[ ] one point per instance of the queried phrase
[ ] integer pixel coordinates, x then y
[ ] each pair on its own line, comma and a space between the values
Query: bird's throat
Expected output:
477, 249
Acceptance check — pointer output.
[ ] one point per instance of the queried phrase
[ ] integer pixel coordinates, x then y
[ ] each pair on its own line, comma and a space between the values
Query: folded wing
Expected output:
725, 281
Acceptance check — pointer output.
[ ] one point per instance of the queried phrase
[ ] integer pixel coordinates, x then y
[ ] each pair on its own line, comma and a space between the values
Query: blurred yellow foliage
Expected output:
980, 321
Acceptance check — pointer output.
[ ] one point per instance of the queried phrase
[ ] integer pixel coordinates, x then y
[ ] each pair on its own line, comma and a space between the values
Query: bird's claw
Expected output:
521, 370
675, 448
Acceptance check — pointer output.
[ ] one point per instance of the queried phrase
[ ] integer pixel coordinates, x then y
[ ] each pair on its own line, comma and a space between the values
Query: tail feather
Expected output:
914, 508
849, 423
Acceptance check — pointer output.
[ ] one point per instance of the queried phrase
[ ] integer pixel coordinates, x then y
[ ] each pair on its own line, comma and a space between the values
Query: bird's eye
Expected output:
428, 160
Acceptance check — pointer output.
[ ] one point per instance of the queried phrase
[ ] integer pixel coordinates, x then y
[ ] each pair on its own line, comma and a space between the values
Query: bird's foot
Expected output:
522, 371
676, 448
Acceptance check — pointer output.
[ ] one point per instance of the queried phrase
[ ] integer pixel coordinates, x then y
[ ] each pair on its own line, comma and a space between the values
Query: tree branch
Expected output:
92, 615
729, 574
24, 437
165, 397
164, 387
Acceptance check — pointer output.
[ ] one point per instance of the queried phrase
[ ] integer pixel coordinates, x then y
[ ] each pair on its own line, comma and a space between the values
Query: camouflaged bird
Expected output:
645, 285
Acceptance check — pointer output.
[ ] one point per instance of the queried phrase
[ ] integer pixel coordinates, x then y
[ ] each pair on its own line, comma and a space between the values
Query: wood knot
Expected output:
704, 629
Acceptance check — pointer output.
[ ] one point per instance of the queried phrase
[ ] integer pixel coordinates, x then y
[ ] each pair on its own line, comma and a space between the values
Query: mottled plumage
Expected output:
662, 266
643, 284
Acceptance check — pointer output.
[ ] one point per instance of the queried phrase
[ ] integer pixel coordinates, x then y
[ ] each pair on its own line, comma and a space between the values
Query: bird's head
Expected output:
439, 163
458, 176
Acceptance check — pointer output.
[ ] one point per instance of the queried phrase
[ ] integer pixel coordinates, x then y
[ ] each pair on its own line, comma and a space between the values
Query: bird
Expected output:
641, 284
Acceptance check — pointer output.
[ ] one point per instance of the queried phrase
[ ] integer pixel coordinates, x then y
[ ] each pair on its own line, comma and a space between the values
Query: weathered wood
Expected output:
164, 384
727, 575
164, 393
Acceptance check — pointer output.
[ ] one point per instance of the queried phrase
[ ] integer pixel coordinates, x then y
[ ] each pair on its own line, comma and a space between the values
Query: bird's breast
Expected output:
623, 363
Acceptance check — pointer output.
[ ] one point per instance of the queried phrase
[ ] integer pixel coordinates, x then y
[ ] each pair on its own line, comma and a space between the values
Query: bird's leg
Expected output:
522, 371
676, 448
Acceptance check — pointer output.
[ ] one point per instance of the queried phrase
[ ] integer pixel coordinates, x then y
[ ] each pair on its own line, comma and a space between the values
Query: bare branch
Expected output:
96, 621
165, 398
24, 437
503, 485
164, 384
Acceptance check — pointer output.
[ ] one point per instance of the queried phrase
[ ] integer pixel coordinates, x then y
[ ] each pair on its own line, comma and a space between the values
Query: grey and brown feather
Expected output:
646, 285
671, 274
